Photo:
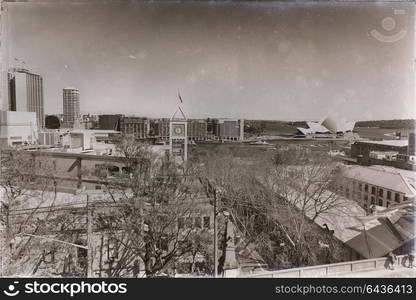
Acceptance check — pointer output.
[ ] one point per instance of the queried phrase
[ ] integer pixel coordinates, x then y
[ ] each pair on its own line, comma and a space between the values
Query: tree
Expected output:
273, 205
155, 209
28, 194
307, 180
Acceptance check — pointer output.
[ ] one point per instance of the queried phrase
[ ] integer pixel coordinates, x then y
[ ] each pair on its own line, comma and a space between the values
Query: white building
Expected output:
18, 128
79, 140
326, 127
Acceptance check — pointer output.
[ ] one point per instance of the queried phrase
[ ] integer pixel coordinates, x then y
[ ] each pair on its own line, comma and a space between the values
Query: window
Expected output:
360, 187
98, 187
100, 170
366, 188
397, 197
380, 202
113, 170
206, 222
365, 197
197, 221
82, 256
373, 190
126, 170
405, 199
389, 195
181, 222
188, 222
373, 201
112, 249
387, 204
380, 192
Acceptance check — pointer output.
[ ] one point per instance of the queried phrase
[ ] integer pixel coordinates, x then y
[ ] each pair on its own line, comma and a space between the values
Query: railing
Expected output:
332, 269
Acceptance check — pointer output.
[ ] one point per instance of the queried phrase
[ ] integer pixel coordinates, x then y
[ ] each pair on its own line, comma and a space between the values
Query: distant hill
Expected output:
388, 124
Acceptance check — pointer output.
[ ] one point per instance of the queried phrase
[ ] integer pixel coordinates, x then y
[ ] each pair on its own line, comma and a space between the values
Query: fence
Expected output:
332, 269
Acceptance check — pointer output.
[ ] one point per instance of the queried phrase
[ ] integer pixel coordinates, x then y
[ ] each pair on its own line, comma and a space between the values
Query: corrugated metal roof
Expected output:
394, 229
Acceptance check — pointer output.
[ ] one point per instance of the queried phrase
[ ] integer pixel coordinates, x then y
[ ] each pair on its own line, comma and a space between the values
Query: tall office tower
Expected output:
412, 143
71, 106
26, 93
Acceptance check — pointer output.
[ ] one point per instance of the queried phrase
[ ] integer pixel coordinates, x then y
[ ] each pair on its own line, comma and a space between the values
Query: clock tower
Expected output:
178, 136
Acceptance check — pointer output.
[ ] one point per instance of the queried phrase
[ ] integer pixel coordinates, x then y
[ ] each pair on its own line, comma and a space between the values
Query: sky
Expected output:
268, 60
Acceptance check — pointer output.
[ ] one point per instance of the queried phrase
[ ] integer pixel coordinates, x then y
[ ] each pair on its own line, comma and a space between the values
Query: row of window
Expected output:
359, 189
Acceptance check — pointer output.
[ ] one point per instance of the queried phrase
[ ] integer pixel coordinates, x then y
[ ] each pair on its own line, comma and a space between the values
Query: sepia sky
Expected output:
268, 60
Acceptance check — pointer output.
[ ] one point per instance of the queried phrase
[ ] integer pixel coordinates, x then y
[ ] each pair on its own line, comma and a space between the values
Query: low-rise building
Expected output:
18, 128
159, 128
377, 185
393, 153
109, 122
362, 149
197, 129
228, 129
137, 126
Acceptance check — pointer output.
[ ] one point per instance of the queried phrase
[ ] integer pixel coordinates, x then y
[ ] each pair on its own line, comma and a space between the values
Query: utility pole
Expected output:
89, 240
215, 236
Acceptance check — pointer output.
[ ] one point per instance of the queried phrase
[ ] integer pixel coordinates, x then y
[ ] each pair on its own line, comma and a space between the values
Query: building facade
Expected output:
26, 93
197, 129
71, 108
228, 129
17, 128
395, 153
377, 185
159, 128
109, 122
137, 126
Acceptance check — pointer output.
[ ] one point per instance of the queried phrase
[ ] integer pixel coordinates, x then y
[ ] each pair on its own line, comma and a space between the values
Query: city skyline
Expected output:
136, 57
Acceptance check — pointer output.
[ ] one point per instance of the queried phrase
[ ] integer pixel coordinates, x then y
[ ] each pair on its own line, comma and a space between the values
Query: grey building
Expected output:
109, 122
228, 129
197, 129
137, 126
26, 93
71, 108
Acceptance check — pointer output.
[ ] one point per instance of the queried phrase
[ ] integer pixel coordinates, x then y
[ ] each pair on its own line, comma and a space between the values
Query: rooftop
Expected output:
380, 234
387, 177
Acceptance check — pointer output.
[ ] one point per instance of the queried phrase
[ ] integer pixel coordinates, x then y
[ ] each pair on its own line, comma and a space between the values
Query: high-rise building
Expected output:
26, 93
71, 107
411, 150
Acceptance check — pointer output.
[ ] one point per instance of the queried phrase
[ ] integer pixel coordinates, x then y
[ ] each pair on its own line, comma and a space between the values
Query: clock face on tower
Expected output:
178, 130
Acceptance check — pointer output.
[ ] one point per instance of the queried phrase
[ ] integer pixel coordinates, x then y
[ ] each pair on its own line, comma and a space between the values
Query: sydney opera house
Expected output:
327, 127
